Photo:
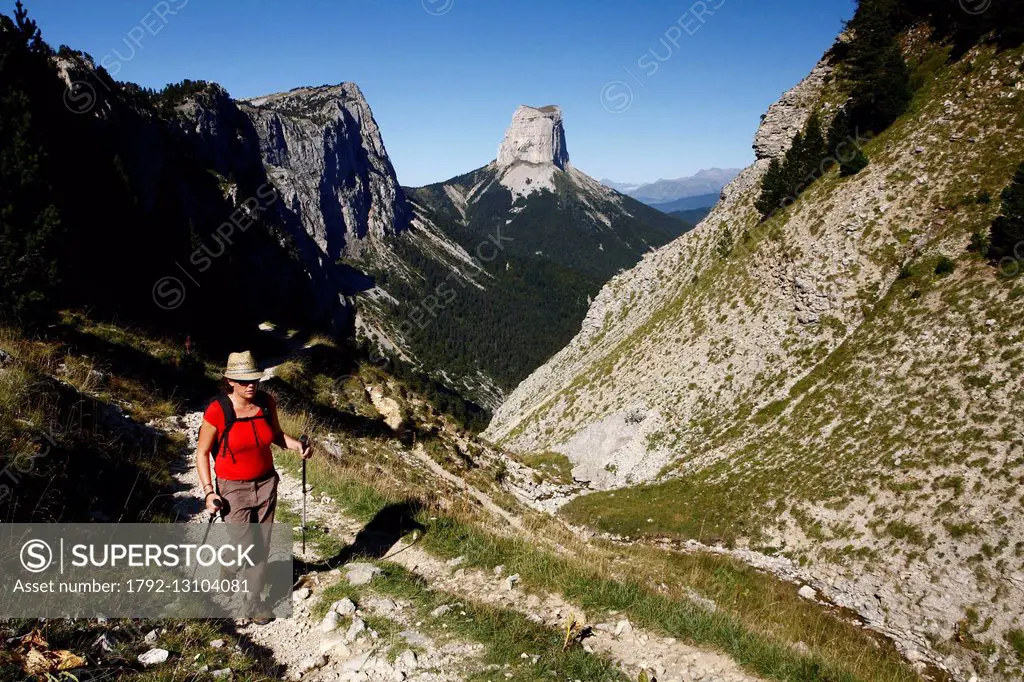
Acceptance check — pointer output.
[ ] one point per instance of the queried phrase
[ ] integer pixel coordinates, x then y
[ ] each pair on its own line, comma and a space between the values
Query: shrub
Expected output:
853, 165
945, 266
905, 531
1007, 232
1015, 638
981, 240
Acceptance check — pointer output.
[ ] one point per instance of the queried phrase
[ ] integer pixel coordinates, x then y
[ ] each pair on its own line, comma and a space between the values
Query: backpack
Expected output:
261, 400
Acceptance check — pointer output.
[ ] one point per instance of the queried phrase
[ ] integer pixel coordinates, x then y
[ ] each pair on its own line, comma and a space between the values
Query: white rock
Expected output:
407, 659
330, 622
151, 637
357, 627
154, 657
308, 664
358, 663
624, 629
510, 582
301, 594
808, 592
361, 573
381, 605
440, 611
414, 638
222, 673
334, 644
217, 643
344, 607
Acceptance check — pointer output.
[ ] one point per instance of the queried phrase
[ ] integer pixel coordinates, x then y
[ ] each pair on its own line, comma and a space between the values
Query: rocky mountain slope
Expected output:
499, 264
842, 374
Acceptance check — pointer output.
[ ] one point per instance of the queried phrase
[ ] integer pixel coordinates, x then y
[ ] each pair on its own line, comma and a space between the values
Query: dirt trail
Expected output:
299, 645
460, 484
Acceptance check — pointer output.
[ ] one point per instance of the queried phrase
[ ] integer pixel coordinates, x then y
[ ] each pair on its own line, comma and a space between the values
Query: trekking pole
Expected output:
305, 442
206, 535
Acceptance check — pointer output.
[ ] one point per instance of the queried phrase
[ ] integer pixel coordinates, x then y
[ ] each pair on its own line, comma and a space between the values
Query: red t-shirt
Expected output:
247, 456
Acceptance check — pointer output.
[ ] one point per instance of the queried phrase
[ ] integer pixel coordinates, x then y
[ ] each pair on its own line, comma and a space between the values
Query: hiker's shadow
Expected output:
386, 528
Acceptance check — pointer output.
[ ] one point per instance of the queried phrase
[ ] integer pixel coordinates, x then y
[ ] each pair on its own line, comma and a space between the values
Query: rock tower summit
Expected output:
535, 136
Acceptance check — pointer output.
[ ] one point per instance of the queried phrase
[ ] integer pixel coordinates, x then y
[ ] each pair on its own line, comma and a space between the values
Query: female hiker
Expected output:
238, 429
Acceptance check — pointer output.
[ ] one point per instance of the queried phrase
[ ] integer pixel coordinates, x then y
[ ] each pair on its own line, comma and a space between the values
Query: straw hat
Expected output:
242, 367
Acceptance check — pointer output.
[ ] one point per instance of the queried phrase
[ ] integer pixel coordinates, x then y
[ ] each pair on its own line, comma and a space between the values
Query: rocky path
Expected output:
351, 651
309, 650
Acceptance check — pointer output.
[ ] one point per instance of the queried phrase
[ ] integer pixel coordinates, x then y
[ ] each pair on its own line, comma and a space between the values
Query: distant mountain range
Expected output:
705, 201
709, 181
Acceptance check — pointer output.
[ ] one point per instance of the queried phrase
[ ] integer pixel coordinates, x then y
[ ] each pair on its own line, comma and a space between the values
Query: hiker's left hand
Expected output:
307, 451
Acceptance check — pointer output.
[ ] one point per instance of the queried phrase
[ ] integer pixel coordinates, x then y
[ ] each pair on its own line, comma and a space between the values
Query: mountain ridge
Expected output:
707, 181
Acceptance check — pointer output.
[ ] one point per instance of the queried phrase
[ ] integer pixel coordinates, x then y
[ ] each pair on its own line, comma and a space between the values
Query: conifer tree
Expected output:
772, 189
1008, 229
881, 81
815, 149
29, 219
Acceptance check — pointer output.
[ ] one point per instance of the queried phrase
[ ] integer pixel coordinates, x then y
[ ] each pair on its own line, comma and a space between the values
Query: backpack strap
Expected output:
228, 408
262, 401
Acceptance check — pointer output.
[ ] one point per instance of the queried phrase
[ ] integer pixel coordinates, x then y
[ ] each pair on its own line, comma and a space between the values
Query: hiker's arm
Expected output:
282, 439
207, 432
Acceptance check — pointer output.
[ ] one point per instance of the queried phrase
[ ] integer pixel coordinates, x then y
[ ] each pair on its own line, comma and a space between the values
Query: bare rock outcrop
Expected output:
324, 154
536, 135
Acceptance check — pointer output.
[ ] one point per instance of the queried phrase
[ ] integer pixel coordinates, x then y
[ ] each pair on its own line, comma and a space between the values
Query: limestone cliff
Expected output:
536, 135
324, 153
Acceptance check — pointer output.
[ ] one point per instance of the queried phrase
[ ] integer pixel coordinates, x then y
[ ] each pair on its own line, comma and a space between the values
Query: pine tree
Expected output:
881, 81
1007, 231
815, 149
30, 224
772, 189
839, 134
791, 176
842, 145
801, 166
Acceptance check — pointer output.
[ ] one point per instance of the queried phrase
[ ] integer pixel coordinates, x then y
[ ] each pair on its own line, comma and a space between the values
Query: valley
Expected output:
751, 424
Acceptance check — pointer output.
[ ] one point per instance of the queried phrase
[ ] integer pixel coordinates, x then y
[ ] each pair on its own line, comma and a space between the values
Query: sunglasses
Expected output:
247, 382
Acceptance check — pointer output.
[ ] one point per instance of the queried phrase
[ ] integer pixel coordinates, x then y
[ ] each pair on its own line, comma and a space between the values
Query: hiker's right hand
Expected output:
214, 503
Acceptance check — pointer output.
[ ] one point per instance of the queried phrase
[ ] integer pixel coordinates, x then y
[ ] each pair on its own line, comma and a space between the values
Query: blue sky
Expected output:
648, 88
